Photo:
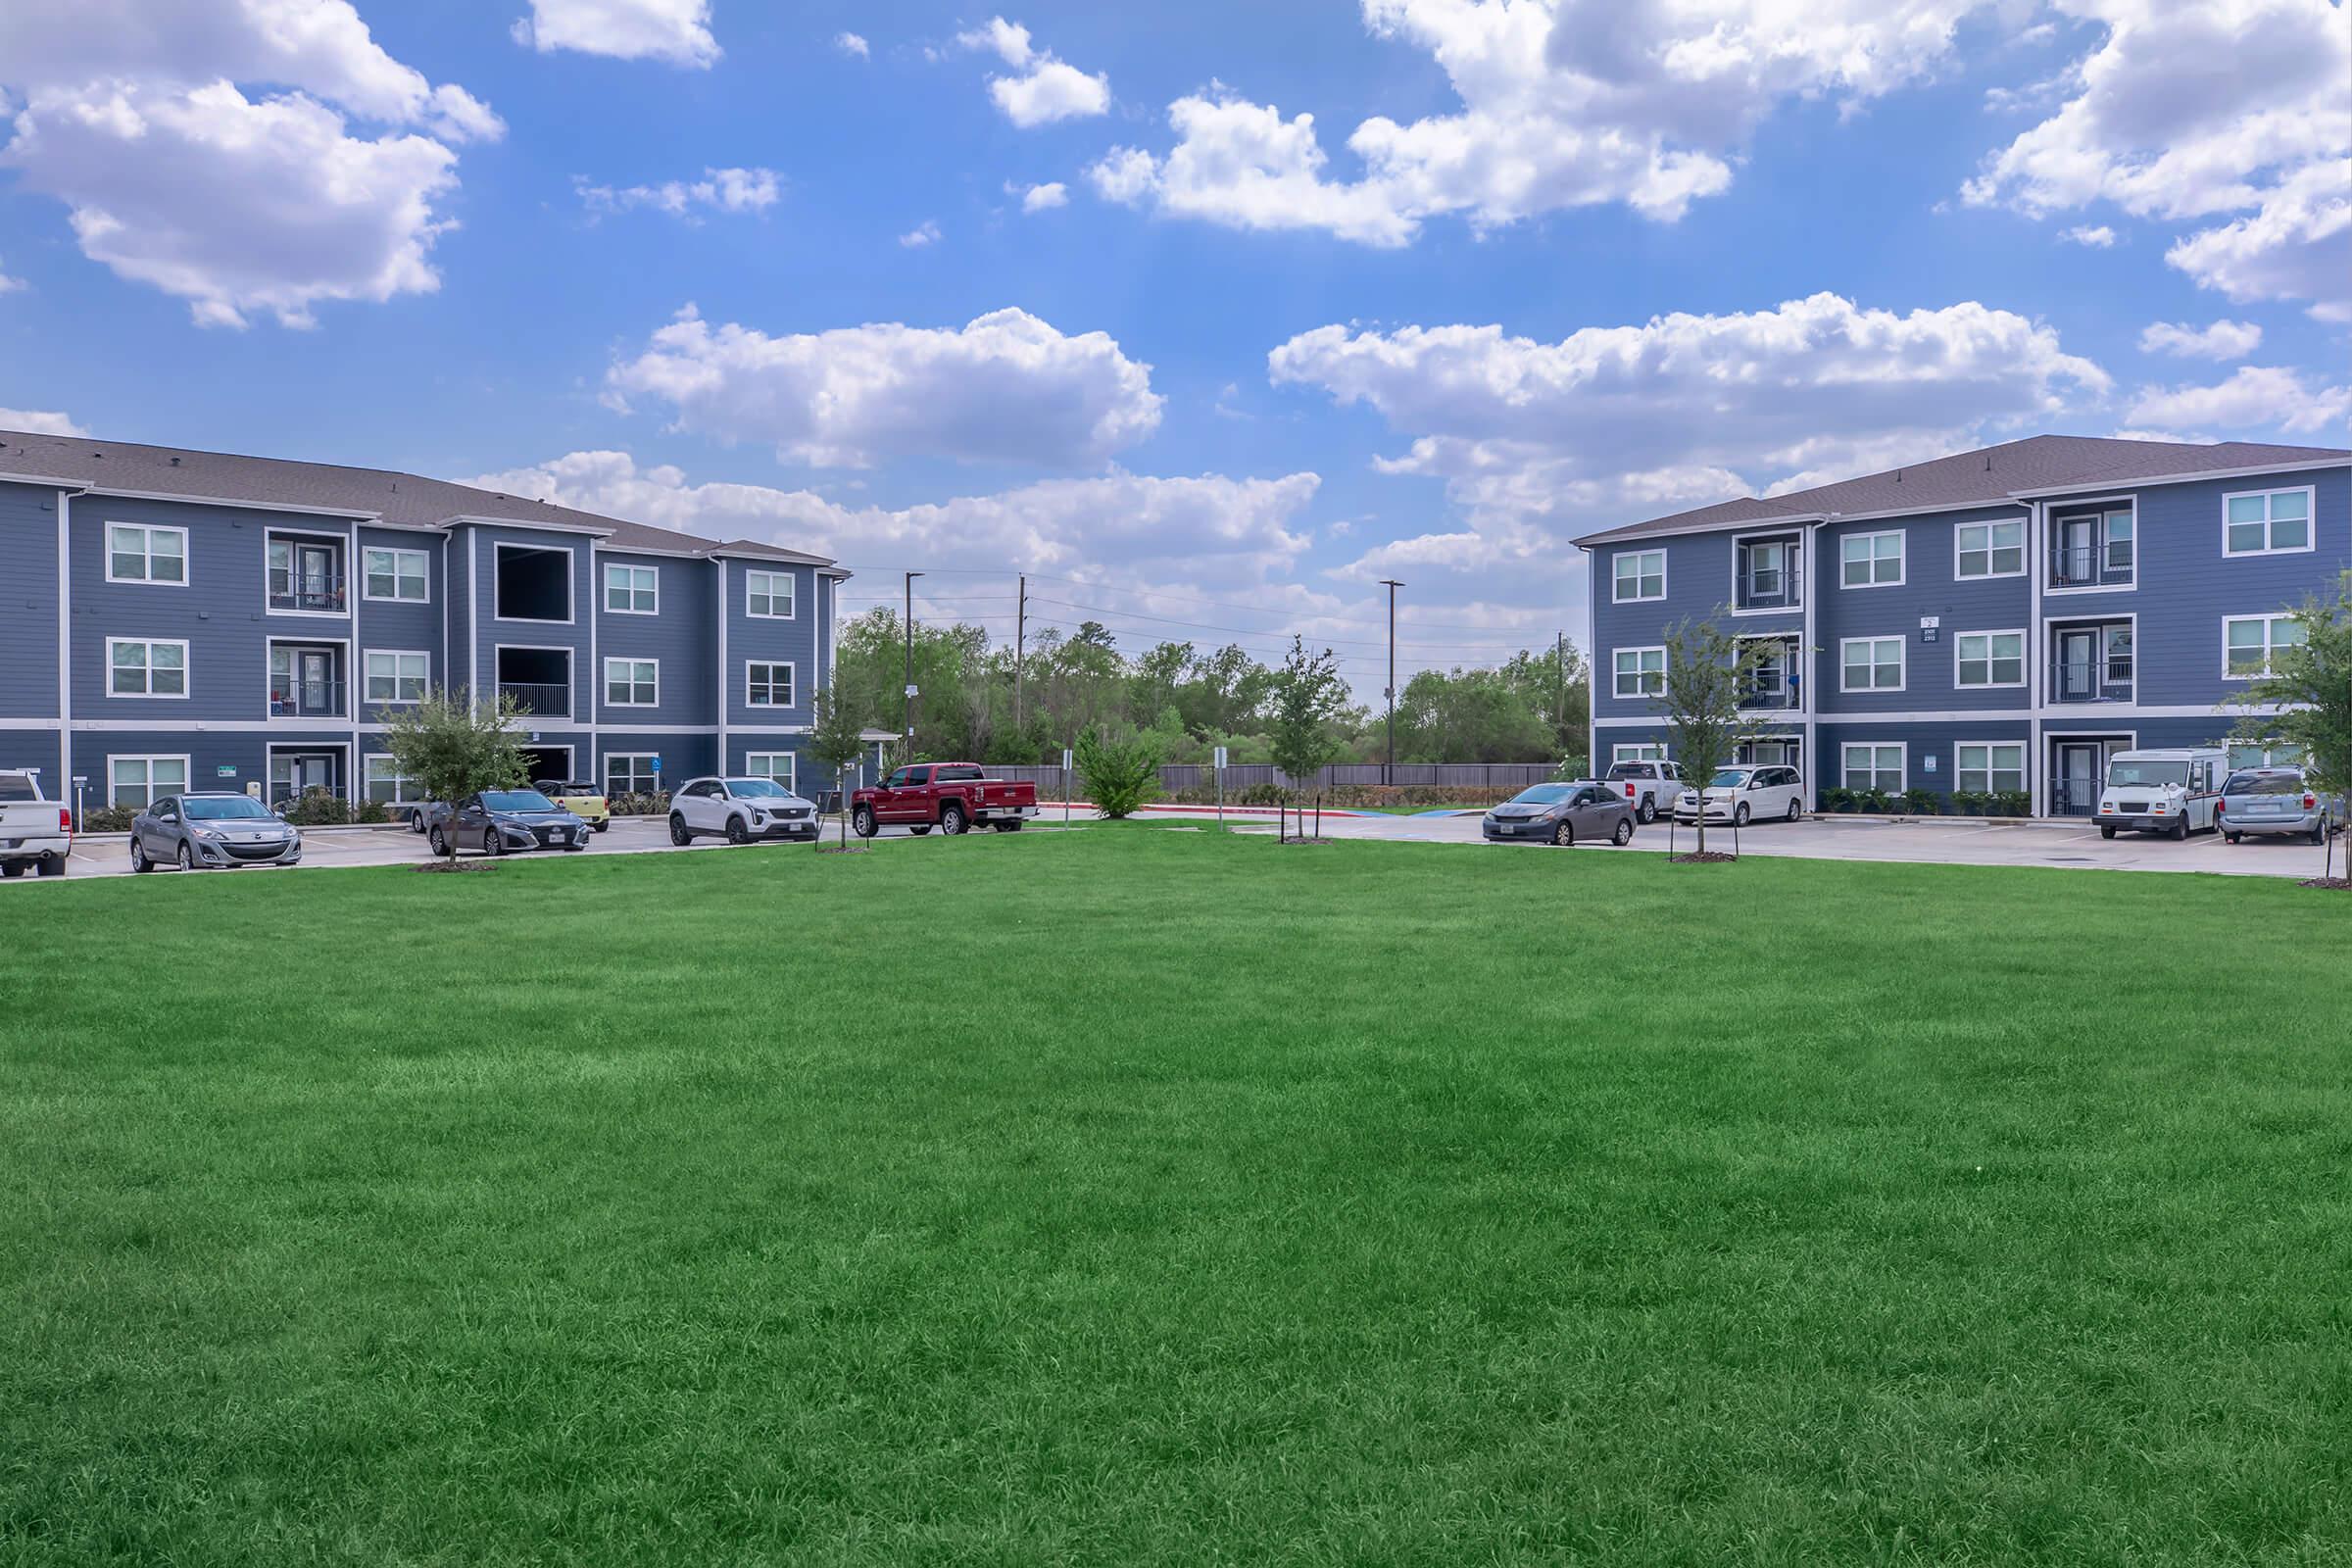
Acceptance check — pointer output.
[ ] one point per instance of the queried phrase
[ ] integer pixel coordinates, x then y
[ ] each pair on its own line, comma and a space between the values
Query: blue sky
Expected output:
1584, 262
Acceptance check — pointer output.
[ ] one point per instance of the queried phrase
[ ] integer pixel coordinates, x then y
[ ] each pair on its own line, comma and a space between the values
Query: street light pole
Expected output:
911, 576
1388, 773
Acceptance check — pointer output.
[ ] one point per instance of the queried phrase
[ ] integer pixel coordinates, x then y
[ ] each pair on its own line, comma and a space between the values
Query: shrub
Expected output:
1919, 802
370, 812
316, 808
2013, 803
1117, 776
107, 819
1968, 803
654, 804
1872, 800
1837, 799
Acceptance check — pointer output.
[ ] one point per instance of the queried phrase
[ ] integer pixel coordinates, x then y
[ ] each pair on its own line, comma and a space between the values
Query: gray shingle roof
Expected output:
403, 500
1990, 475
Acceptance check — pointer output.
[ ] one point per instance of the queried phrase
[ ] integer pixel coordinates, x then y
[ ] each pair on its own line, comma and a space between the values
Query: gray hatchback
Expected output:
1585, 812
2277, 801
210, 829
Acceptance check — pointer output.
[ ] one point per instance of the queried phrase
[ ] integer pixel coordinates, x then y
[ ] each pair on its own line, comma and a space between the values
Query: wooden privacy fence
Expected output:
1246, 775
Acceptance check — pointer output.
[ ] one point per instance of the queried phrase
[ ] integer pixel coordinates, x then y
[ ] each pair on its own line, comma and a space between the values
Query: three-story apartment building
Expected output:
179, 619
1998, 620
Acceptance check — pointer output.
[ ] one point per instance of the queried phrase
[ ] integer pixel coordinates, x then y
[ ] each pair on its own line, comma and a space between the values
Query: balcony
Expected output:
2091, 663
1770, 575
306, 699
539, 699
1768, 697
306, 575
2092, 565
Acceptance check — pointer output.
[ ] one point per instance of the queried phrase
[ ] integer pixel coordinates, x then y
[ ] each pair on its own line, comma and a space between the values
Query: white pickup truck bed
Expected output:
35, 832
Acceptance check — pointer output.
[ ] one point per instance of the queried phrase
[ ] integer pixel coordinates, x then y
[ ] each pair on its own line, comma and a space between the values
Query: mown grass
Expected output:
1136, 1197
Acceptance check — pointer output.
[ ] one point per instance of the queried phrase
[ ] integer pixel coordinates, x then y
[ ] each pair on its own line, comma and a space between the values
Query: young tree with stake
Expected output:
2309, 688
1306, 697
1708, 672
450, 747
836, 742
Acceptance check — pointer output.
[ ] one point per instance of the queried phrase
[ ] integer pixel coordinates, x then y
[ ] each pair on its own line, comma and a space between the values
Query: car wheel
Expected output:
952, 820
1648, 813
188, 856
601, 827
139, 859
1739, 815
2319, 834
678, 832
862, 821
2236, 838
2106, 832
2180, 829
1014, 827
920, 829
15, 869
493, 842
1623, 834
1796, 810
737, 833
415, 821
52, 865
434, 840
1563, 834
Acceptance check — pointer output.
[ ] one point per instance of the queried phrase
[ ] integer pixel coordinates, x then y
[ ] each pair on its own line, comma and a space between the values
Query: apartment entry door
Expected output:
2077, 768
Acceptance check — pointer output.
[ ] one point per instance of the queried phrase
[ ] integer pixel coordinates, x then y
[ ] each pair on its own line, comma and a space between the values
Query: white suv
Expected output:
1743, 793
741, 810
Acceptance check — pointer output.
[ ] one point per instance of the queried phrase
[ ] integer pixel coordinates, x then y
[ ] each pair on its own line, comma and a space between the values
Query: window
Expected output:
774, 766
1992, 657
394, 677
632, 590
2092, 549
632, 682
1766, 575
1637, 752
2266, 521
630, 774
397, 574
767, 685
2266, 757
2119, 542
1640, 671
381, 781
769, 595
1640, 574
138, 553
141, 781
1991, 767
1872, 559
1871, 664
141, 668
1874, 765
1991, 550
2249, 642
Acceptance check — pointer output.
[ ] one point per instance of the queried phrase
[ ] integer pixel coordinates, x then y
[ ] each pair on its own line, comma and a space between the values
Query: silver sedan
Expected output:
210, 829
1586, 811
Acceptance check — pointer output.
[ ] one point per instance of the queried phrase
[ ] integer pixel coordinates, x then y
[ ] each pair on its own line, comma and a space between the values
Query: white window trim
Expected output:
631, 683
1635, 598
2311, 522
749, 573
2025, 758
612, 566
606, 777
342, 544
1792, 561
792, 768
187, 673
270, 643
1618, 751
571, 677
1902, 774
106, 543
399, 783
2102, 505
396, 654
1903, 557
2269, 618
571, 585
395, 597
2025, 660
1902, 661
1659, 649
187, 769
793, 680
2025, 550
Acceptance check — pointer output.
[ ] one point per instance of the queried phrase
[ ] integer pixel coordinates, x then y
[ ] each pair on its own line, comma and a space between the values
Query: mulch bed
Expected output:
2342, 883
455, 865
842, 848
1708, 859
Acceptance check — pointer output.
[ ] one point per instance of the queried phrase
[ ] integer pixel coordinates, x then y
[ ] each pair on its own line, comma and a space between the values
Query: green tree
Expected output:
1224, 693
1119, 776
1708, 670
2304, 698
450, 747
1557, 684
1307, 698
836, 744
1470, 715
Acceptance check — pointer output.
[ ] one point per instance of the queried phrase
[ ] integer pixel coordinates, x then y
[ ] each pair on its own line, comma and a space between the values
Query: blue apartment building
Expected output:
2000, 621
177, 619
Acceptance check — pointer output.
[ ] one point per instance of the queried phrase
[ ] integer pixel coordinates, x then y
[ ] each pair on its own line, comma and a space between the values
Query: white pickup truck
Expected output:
1650, 789
35, 830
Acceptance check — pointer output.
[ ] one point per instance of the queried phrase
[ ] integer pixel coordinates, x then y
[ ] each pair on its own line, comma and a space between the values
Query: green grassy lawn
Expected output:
1136, 1197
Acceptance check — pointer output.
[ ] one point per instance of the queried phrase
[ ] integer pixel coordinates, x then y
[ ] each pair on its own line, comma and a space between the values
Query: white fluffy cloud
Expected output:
2192, 111
1006, 387
2097, 237
1537, 440
2258, 398
8, 286
2222, 340
1042, 198
724, 190
36, 422
1564, 103
131, 114
851, 43
1045, 87
675, 30
1122, 526
921, 235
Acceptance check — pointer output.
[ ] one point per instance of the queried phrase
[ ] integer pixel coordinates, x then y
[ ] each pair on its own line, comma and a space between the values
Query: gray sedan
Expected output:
210, 829
2277, 801
1562, 814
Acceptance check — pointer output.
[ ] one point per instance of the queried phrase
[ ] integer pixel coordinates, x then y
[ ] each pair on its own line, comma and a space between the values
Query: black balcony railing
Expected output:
2090, 565
538, 697
310, 590
305, 698
1776, 588
1769, 695
2106, 679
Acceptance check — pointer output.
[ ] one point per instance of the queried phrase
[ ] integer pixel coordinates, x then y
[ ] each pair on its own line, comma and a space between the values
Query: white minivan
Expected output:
2173, 791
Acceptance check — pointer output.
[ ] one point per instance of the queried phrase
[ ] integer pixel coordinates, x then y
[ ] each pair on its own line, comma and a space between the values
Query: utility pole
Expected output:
911, 576
1559, 675
1388, 773
1020, 638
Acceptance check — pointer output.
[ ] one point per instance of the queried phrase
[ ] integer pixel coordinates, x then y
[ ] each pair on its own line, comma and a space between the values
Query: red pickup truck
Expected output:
953, 797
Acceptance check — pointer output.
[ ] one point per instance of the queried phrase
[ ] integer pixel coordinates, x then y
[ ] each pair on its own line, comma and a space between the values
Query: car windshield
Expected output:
2264, 784
1731, 778
2128, 775
221, 807
517, 800
1542, 795
756, 789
